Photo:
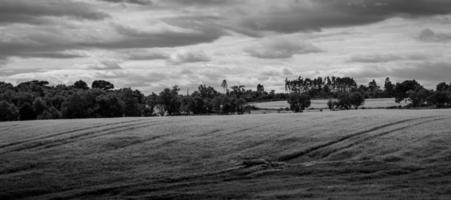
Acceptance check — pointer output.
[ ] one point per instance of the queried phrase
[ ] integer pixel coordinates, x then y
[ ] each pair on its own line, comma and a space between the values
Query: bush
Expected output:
331, 104
356, 99
299, 102
344, 102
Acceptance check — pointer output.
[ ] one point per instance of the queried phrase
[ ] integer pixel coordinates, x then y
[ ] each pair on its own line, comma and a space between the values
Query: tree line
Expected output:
343, 93
38, 100
333, 87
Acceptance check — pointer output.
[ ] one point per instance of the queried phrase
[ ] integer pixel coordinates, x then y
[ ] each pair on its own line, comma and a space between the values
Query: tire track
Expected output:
87, 135
229, 174
324, 155
65, 133
295, 155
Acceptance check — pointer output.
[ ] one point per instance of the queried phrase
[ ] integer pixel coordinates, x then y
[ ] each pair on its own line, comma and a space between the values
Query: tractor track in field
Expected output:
230, 174
65, 133
87, 135
292, 156
365, 139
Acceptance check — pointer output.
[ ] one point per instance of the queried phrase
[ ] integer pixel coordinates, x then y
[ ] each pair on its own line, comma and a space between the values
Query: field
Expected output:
322, 104
363, 154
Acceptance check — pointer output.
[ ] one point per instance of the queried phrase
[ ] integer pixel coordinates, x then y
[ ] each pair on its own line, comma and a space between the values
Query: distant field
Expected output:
322, 104
364, 154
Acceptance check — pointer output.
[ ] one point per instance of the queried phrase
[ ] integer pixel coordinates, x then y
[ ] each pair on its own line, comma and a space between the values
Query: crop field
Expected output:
322, 104
360, 154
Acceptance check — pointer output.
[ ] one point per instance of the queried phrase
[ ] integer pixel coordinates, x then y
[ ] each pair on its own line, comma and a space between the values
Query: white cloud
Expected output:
185, 56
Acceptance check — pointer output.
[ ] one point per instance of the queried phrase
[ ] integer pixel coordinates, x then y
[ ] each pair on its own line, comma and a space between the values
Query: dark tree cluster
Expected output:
255, 96
346, 101
417, 96
333, 87
344, 94
38, 100
320, 87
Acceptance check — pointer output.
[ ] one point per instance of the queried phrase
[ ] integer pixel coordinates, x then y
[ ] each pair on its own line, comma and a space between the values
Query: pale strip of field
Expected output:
363, 154
322, 104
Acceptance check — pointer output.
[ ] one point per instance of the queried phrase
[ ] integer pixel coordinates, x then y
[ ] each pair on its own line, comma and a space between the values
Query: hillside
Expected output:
365, 154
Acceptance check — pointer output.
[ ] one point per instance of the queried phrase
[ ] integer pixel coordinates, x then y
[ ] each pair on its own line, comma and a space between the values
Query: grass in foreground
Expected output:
371, 154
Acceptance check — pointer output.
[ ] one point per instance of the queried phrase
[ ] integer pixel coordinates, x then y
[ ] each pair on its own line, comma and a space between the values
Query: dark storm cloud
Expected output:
427, 35
305, 15
133, 38
33, 12
51, 44
42, 48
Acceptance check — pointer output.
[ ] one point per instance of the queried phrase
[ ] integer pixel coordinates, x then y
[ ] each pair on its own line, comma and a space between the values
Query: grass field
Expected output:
322, 104
364, 154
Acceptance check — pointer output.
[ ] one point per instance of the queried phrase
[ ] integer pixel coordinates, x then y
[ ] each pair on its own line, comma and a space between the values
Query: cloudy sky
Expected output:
152, 44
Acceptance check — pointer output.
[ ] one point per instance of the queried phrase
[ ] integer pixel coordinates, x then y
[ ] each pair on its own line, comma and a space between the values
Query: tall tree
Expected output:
388, 88
224, 85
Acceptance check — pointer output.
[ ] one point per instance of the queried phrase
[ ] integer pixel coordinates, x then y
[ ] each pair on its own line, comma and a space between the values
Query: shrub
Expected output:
331, 104
356, 99
298, 102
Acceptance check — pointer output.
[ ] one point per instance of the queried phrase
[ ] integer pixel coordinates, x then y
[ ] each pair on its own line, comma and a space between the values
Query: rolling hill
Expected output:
364, 154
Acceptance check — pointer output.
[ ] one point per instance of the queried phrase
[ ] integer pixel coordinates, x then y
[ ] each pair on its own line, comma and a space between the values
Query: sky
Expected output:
153, 44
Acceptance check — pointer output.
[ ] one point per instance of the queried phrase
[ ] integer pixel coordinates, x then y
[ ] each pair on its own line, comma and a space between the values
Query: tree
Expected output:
225, 86
150, 103
418, 97
388, 88
356, 99
237, 90
169, 98
260, 88
440, 99
186, 104
81, 85
109, 105
298, 102
39, 106
443, 87
8, 111
131, 100
26, 112
79, 105
402, 90
101, 84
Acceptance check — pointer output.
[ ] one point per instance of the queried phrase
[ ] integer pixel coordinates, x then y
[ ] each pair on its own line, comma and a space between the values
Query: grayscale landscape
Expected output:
225, 99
